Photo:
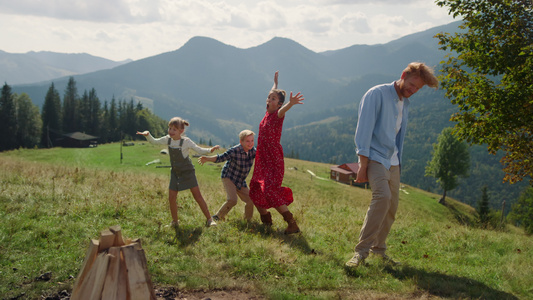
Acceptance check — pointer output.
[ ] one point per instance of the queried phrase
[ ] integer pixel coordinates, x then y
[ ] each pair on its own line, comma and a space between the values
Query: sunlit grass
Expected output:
53, 201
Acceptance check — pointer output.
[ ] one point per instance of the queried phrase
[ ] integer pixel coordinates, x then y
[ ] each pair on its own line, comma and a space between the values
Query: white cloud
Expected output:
62, 34
398, 21
355, 22
312, 19
268, 15
238, 21
356, 2
113, 11
318, 25
104, 36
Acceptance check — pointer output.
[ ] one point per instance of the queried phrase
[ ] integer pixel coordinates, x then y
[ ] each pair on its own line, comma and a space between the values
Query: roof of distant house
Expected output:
346, 168
80, 136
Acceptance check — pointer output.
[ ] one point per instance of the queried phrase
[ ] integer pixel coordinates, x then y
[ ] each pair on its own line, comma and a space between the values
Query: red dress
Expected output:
265, 187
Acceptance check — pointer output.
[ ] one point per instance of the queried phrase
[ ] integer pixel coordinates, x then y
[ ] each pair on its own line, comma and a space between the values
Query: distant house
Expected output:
76, 140
345, 173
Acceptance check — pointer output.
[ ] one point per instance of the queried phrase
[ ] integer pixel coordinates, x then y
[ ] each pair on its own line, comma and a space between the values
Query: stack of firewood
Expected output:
114, 268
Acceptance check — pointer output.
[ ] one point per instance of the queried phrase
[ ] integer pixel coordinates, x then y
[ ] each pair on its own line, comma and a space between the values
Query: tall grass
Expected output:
53, 201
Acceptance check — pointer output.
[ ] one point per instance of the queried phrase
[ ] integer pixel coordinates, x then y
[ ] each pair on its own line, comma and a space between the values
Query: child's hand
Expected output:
215, 148
296, 99
145, 133
276, 79
202, 160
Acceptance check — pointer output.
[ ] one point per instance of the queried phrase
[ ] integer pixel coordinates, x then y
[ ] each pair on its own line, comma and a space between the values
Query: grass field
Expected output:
53, 201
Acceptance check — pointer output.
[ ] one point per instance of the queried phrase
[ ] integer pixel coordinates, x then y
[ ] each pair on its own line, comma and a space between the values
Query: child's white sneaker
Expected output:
173, 224
210, 222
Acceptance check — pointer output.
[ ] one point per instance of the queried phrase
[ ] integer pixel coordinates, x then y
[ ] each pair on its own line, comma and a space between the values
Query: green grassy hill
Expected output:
53, 201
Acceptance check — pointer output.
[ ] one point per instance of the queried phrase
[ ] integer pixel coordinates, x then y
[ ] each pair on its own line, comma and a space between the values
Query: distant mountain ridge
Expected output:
207, 81
30, 67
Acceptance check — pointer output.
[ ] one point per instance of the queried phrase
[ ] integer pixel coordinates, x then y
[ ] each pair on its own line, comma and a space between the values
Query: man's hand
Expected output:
362, 175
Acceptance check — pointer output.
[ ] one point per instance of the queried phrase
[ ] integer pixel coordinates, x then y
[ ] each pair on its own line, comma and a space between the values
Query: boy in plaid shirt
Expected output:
239, 160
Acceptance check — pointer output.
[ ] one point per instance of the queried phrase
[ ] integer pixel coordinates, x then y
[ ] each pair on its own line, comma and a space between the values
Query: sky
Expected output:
136, 29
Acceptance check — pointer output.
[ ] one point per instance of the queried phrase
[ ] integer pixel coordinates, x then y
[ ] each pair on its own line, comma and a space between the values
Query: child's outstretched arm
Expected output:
203, 159
275, 86
296, 99
160, 141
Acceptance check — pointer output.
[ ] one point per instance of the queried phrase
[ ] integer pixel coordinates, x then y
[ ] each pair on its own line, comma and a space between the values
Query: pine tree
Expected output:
8, 121
114, 130
51, 116
130, 119
71, 107
94, 113
84, 113
105, 128
121, 113
29, 122
483, 209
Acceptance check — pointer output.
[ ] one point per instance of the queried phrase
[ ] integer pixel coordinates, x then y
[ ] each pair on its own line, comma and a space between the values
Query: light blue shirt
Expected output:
375, 136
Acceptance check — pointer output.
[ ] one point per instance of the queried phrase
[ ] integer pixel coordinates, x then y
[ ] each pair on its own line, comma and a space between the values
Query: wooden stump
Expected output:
114, 268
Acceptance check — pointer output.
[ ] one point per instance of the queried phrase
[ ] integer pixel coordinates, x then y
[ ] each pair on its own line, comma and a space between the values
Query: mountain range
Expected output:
21, 68
206, 80
221, 89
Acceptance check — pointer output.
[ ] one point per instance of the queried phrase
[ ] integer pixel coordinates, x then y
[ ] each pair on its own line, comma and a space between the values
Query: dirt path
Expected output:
172, 293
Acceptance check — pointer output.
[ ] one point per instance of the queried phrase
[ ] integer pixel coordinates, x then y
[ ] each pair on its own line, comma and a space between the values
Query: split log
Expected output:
119, 241
92, 284
114, 269
114, 288
138, 278
90, 256
107, 240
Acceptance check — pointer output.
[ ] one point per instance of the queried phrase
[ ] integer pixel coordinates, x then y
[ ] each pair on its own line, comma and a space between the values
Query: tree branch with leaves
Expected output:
488, 75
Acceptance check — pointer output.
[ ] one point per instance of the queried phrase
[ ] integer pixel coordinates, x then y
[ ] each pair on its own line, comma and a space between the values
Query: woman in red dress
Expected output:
265, 187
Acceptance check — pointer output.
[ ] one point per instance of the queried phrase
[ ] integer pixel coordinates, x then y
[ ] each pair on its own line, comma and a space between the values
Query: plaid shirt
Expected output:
238, 164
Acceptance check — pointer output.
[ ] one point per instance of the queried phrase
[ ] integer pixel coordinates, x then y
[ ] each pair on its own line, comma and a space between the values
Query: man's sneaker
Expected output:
210, 222
356, 261
216, 218
386, 259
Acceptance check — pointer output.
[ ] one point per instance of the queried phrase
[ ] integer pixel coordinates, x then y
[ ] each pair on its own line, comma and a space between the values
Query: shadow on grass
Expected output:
184, 237
448, 286
295, 240
461, 217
